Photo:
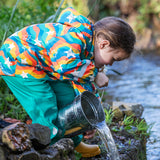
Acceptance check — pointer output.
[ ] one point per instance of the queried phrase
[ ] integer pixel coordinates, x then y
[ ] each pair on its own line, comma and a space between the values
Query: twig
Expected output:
57, 12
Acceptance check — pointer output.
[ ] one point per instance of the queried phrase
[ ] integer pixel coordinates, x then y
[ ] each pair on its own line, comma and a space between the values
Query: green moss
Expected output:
77, 155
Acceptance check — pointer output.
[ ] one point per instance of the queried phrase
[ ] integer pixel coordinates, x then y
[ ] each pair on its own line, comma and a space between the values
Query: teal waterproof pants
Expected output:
42, 99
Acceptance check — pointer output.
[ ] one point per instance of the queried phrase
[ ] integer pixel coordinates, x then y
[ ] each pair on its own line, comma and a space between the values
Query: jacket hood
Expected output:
71, 17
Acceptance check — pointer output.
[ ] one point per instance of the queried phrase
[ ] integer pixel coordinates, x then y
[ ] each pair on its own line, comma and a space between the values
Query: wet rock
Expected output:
61, 150
125, 157
118, 114
1, 137
28, 155
26, 142
49, 153
128, 147
120, 109
16, 137
106, 106
39, 135
4, 124
65, 147
2, 154
130, 150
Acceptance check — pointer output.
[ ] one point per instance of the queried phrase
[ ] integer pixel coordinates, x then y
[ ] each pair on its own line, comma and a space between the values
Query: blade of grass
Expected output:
93, 7
13, 11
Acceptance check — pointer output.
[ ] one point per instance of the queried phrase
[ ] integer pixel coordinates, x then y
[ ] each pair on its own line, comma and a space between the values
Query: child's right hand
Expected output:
89, 134
101, 80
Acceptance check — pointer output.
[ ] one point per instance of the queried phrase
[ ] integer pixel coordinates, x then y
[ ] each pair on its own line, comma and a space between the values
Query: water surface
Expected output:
140, 83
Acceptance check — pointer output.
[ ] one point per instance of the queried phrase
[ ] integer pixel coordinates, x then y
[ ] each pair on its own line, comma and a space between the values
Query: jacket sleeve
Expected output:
66, 57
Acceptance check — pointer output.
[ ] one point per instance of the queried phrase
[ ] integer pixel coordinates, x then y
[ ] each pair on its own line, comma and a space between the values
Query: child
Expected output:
47, 65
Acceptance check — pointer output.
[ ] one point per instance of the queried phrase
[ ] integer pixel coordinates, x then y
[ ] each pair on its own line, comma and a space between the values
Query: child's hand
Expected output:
101, 80
89, 134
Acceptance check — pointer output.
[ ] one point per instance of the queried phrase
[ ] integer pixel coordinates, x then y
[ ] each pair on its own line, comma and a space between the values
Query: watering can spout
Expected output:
81, 115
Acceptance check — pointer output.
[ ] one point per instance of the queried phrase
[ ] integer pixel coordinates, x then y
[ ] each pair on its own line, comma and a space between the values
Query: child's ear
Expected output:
104, 43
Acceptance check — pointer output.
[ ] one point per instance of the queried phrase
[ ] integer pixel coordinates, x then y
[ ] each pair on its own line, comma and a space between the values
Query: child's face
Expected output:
105, 55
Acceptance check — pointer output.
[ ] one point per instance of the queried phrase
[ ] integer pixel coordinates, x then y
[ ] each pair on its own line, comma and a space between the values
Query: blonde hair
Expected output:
117, 32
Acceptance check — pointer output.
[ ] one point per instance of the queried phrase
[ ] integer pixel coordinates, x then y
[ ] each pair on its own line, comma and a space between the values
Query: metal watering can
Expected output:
81, 115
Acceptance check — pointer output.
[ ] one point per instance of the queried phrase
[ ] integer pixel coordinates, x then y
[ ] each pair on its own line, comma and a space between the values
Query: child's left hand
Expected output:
101, 80
89, 134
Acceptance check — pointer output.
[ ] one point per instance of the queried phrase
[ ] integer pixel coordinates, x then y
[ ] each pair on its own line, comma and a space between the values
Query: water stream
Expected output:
140, 83
107, 139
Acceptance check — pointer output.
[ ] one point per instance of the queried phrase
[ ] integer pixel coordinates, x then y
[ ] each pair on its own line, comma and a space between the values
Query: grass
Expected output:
108, 116
26, 13
12, 19
136, 126
77, 155
9, 105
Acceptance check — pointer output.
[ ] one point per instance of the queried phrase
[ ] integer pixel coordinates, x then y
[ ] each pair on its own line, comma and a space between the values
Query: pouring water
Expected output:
107, 139
86, 112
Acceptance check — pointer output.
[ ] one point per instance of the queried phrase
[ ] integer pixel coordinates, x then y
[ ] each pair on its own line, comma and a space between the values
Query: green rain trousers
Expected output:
42, 99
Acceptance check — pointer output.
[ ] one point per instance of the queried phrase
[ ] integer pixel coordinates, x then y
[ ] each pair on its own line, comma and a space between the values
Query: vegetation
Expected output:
26, 12
108, 116
15, 16
143, 10
136, 126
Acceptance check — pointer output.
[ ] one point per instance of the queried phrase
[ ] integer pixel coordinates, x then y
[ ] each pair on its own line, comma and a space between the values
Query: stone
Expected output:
39, 135
61, 150
129, 148
16, 137
128, 109
106, 106
49, 153
65, 148
4, 124
64, 144
1, 137
27, 155
118, 114
2, 154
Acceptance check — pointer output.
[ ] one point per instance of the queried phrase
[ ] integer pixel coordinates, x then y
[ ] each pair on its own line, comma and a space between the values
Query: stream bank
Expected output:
20, 141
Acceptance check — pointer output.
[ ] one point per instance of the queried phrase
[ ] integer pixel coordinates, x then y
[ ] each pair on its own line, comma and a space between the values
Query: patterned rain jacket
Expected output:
51, 51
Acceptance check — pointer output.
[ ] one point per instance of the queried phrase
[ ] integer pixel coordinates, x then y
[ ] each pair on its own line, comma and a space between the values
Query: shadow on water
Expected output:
140, 83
